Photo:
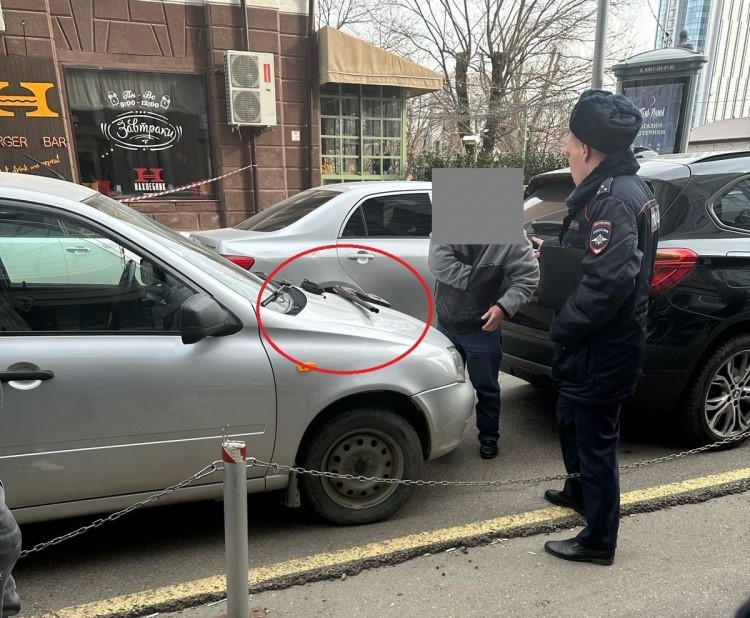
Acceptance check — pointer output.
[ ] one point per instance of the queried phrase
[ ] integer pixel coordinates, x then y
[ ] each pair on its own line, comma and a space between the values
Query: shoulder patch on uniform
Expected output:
605, 187
601, 234
654, 207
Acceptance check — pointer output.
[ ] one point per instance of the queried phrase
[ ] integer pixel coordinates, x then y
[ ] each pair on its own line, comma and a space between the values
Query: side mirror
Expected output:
201, 316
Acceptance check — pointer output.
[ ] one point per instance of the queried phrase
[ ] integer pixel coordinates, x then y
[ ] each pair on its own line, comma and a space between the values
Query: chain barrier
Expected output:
276, 467
209, 469
253, 462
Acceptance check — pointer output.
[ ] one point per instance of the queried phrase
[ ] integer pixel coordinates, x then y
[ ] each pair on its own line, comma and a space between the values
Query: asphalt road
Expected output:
163, 547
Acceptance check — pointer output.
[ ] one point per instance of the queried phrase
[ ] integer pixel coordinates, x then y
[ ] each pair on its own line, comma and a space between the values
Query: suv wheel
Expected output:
363, 442
718, 403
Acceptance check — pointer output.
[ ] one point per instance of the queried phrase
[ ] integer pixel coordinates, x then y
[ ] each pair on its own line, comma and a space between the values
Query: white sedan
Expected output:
393, 217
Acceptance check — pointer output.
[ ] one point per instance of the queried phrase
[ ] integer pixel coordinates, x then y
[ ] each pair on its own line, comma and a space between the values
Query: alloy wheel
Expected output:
727, 402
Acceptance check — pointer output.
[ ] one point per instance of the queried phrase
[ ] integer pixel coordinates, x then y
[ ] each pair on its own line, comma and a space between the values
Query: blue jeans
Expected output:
482, 352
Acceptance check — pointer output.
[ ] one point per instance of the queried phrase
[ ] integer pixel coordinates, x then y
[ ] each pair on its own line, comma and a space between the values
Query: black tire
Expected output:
369, 442
706, 418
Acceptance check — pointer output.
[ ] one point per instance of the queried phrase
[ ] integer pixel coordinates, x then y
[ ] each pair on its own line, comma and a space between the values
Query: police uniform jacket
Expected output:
600, 332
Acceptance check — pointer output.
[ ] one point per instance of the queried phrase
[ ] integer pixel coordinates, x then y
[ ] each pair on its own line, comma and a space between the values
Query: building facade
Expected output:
130, 97
721, 30
731, 134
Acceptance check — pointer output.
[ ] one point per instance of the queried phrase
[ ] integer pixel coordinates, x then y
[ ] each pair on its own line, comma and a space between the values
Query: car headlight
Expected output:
459, 364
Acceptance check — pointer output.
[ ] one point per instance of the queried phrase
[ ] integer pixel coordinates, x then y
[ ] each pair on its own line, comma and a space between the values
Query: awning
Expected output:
344, 59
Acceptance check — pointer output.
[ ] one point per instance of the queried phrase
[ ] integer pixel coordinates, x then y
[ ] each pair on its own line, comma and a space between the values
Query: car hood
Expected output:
334, 316
340, 310
335, 334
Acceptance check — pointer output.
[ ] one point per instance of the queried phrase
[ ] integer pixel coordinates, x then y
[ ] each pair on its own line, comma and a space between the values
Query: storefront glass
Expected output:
362, 132
138, 132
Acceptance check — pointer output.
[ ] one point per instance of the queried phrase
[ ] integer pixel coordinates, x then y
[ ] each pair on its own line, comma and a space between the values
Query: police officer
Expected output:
600, 332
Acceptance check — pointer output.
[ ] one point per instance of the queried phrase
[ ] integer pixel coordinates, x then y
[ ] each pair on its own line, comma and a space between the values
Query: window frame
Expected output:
716, 197
202, 193
339, 159
360, 204
67, 216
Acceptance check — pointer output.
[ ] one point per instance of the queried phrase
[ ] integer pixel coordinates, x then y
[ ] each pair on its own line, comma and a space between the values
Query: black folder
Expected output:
560, 272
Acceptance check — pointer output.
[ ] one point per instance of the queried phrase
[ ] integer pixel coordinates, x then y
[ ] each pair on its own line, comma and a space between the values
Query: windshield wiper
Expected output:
349, 295
275, 294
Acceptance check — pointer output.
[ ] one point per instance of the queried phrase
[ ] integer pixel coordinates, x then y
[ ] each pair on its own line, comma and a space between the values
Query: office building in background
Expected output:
721, 30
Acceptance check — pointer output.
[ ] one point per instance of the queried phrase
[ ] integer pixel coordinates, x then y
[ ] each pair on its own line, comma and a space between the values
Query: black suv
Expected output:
698, 351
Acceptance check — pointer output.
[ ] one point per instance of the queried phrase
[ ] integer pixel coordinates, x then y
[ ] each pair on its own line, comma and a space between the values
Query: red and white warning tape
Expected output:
184, 187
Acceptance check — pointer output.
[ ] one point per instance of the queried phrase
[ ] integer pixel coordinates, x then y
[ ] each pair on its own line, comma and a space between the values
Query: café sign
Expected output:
141, 130
141, 126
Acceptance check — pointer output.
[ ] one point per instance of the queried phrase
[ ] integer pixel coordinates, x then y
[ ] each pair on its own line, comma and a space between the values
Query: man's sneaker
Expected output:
487, 449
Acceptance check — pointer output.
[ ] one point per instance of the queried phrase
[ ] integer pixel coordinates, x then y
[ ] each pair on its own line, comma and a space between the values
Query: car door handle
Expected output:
78, 249
11, 376
361, 256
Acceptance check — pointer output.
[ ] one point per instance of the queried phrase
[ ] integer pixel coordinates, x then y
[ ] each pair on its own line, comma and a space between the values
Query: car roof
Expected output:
378, 186
41, 184
650, 167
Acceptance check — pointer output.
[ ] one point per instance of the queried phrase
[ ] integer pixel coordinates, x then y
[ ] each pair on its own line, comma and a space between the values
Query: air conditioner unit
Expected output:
251, 88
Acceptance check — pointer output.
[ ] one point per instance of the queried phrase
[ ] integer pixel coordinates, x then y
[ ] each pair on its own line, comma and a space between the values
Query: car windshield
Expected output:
237, 279
289, 211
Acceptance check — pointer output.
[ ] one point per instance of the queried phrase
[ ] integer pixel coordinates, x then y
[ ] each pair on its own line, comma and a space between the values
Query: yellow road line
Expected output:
412, 542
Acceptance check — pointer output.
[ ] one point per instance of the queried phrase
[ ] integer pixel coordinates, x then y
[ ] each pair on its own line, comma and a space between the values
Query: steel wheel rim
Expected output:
726, 407
363, 452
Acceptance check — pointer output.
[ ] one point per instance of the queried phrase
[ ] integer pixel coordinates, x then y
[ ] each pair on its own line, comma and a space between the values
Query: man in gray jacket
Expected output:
478, 286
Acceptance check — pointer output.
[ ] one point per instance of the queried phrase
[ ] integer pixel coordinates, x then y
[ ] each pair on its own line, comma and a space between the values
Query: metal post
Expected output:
597, 80
234, 454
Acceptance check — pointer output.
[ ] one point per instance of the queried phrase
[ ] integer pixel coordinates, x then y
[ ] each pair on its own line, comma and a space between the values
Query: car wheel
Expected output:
367, 442
718, 403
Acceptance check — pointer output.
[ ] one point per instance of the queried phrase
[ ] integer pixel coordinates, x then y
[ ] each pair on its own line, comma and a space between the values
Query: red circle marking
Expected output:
344, 372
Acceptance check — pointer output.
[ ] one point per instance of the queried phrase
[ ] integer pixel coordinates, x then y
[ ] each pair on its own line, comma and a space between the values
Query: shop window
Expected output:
362, 132
138, 133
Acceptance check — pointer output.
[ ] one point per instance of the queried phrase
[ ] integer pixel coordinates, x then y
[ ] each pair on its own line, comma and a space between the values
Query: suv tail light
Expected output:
671, 267
242, 261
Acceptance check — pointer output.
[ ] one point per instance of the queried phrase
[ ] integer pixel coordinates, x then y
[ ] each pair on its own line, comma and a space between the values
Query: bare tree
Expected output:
338, 14
512, 68
507, 58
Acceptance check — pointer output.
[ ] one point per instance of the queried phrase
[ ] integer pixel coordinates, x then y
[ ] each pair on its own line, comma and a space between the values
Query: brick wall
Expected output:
143, 35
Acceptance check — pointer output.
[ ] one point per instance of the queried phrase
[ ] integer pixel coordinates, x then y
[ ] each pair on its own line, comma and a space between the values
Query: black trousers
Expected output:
589, 436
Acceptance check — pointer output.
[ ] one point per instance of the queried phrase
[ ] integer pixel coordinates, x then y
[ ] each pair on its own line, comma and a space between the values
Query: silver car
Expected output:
394, 217
126, 350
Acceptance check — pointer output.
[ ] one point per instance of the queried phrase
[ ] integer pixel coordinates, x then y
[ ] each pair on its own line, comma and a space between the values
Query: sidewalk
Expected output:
688, 561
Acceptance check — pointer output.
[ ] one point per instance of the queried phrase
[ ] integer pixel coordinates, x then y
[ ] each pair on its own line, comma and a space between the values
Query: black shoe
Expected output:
570, 549
487, 449
558, 498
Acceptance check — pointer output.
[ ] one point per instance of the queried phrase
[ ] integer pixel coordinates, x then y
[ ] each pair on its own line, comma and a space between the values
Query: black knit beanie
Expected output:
605, 121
